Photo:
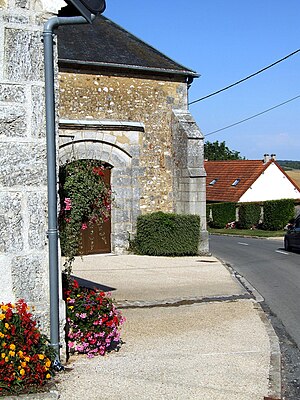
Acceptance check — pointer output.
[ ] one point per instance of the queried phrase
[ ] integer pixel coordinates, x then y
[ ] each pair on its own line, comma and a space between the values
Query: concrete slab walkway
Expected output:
192, 332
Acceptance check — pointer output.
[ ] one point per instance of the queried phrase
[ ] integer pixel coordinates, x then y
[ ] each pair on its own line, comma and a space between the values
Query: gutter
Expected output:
169, 71
52, 233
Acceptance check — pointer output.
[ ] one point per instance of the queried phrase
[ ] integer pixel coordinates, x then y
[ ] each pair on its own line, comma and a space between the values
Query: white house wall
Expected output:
271, 185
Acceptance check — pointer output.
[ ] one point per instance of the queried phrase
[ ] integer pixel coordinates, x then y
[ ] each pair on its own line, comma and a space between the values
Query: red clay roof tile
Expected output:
226, 173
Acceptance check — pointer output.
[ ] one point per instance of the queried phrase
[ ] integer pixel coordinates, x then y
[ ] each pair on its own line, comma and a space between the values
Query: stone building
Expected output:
124, 103
121, 102
23, 175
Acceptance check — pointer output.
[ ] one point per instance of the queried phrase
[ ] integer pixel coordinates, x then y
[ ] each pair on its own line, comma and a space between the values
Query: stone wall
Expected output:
189, 173
121, 98
23, 181
164, 171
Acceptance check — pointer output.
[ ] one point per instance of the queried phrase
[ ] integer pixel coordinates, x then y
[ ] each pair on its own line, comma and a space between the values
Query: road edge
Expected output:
275, 379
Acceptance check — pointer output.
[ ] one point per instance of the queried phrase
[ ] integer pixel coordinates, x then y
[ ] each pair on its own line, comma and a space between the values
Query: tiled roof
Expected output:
242, 172
106, 44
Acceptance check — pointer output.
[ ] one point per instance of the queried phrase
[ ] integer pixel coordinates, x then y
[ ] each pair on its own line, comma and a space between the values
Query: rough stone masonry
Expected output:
23, 180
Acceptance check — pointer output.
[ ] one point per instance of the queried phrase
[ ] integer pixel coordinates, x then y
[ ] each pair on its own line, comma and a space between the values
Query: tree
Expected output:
219, 151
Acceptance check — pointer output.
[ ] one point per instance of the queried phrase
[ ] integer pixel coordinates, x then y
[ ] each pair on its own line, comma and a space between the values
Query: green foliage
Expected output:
84, 199
288, 165
277, 213
162, 234
219, 151
222, 214
249, 215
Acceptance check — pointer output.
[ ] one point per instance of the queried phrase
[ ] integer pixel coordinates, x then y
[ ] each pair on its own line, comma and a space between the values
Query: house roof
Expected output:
107, 45
225, 173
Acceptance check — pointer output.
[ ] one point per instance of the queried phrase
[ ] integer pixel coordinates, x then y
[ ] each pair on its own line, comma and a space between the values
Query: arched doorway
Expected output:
85, 207
96, 238
117, 144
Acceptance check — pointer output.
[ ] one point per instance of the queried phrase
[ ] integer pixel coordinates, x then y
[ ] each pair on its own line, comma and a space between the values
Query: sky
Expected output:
225, 41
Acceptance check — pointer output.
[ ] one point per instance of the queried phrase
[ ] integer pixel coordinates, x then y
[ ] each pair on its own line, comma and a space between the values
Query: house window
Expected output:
213, 182
235, 182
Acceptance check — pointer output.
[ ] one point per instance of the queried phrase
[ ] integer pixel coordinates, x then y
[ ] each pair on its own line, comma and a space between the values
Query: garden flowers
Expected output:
25, 357
93, 321
85, 199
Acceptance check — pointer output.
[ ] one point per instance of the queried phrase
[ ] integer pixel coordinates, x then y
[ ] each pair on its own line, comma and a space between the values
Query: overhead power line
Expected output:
244, 79
253, 116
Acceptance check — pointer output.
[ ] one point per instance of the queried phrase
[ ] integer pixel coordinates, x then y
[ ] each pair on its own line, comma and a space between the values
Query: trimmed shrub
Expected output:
249, 215
277, 213
222, 213
164, 234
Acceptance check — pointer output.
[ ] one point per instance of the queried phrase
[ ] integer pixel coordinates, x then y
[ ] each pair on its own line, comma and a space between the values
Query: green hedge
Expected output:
162, 234
277, 213
222, 213
249, 215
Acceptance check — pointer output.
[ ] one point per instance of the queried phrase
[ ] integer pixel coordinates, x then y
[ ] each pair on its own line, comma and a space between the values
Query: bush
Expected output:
277, 214
92, 320
249, 215
222, 213
26, 359
163, 234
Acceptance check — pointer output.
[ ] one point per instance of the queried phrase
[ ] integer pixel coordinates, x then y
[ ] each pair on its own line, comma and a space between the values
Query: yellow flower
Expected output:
6, 359
3, 355
4, 307
22, 371
48, 376
7, 326
48, 363
2, 316
12, 346
71, 307
1, 335
27, 359
23, 364
11, 353
3, 344
41, 356
20, 353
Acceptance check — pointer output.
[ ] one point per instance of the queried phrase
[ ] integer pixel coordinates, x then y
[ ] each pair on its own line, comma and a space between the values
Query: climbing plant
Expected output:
85, 199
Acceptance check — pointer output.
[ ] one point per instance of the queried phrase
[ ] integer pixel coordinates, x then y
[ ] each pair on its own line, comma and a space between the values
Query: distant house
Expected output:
241, 181
125, 104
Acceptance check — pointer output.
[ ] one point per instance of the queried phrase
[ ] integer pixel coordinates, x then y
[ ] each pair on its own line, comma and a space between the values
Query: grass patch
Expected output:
247, 232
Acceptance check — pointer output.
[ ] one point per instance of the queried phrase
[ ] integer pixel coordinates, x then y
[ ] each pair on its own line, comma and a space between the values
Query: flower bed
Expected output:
92, 319
25, 356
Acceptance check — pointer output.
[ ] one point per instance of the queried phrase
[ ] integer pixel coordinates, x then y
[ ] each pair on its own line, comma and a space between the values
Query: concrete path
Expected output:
192, 332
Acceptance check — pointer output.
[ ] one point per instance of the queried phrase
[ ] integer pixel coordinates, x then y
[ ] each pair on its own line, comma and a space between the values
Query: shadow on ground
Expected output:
93, 285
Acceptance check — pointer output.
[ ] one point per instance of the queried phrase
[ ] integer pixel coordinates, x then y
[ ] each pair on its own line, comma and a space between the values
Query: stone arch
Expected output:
123, 179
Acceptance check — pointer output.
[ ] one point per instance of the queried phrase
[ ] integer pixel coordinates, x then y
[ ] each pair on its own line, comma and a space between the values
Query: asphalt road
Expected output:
273, 272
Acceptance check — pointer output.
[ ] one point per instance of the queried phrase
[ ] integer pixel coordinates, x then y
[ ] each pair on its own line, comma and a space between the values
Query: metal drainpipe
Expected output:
48, 34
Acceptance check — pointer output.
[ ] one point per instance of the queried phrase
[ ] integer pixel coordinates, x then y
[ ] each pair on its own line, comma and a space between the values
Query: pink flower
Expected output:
84, 226
67, 202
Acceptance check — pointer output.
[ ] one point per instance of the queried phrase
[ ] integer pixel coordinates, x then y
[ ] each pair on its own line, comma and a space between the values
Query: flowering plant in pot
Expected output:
93, 320
26, 359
